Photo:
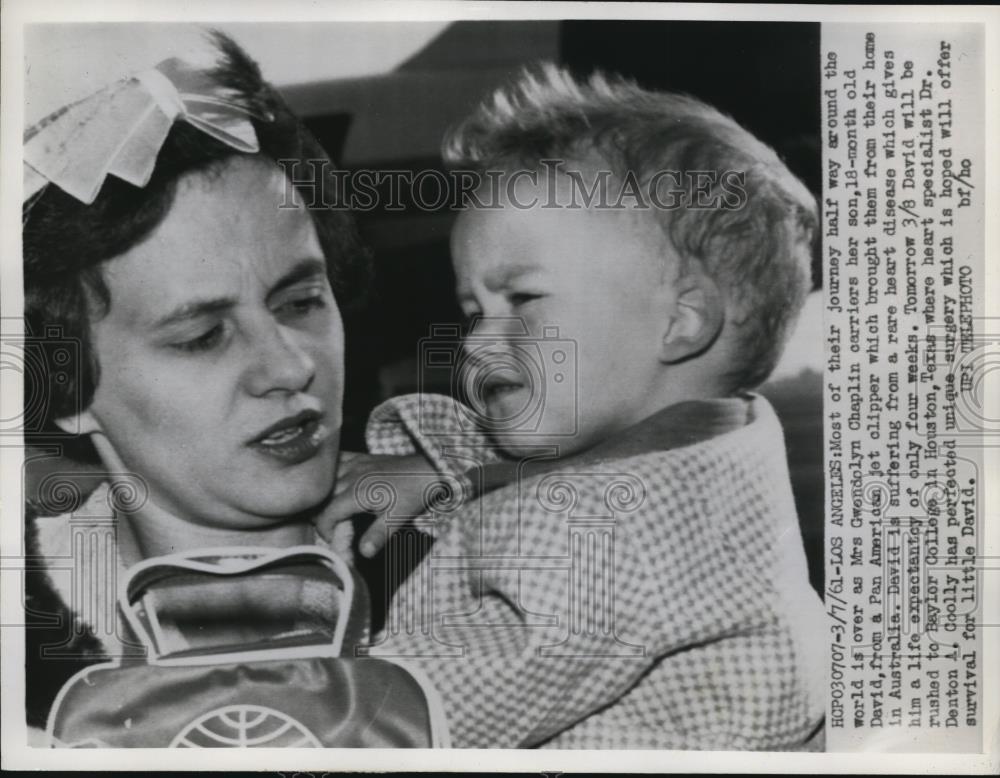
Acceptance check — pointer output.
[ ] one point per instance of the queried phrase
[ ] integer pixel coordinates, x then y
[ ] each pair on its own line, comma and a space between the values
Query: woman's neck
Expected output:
154, 531
158, 532
169, 535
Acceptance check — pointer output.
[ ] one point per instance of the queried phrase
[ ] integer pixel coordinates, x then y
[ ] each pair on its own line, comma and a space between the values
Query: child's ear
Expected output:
696, 319
82, 423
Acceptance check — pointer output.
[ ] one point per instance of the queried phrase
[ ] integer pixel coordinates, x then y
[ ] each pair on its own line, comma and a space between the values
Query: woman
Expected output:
162, 237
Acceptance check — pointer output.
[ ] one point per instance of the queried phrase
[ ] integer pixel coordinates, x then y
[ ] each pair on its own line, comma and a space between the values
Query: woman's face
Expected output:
221, 356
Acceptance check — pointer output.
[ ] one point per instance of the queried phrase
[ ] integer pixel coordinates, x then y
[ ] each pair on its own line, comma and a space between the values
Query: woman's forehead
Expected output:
240, 184
229, 232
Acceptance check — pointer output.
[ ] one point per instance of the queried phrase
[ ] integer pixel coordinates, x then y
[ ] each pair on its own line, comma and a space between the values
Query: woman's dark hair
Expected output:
67, 241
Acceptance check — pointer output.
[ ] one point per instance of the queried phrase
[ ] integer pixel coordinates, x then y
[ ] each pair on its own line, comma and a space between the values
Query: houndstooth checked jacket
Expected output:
650, 594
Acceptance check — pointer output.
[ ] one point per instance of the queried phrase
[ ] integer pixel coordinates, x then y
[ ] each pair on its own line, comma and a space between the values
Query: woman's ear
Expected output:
696, 318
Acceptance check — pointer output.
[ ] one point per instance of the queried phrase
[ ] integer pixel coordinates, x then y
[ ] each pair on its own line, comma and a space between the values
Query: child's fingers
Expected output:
345, 483
342, 507
349, 460
346, 457
374, 538
353, 466
346, 464
325, 528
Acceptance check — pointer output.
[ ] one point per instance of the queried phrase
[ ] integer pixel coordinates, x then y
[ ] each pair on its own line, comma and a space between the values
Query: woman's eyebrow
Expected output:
193, 309
303, 269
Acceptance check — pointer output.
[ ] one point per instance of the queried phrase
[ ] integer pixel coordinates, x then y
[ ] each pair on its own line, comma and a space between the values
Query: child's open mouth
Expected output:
293, 439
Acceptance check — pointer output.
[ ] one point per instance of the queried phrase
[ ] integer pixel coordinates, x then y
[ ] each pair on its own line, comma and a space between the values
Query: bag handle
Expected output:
235, 562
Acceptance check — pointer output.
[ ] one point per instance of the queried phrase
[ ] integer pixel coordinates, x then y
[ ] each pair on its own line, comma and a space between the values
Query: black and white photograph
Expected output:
553, 379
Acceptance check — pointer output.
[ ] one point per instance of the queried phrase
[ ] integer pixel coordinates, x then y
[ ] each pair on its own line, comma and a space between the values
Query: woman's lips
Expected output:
503, 399
500, 381
497, 390
293, 440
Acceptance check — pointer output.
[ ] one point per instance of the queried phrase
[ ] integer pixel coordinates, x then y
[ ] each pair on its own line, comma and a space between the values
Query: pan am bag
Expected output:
298, 687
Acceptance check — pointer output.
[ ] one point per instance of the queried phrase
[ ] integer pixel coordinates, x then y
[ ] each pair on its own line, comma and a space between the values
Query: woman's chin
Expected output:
271, 504
295, 489
293, 504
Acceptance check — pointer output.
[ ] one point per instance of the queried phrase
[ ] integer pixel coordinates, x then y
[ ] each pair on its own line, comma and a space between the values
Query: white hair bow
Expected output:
121, 128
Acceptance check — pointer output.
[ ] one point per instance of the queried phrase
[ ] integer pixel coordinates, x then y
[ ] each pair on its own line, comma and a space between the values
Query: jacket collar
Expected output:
676, 426
683, 424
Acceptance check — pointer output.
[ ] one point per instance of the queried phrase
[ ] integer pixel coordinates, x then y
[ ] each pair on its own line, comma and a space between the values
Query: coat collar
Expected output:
84, 555
683, 424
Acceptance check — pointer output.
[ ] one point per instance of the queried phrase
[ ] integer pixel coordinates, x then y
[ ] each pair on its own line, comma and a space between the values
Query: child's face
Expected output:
600, 278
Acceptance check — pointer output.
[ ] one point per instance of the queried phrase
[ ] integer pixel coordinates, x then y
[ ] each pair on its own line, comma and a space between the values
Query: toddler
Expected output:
630, 571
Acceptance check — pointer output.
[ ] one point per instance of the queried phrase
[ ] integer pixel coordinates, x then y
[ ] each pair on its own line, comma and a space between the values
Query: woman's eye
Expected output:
207, 340
521, 298
304, 304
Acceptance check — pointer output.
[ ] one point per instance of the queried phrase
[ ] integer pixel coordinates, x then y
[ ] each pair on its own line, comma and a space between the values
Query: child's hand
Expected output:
410, 480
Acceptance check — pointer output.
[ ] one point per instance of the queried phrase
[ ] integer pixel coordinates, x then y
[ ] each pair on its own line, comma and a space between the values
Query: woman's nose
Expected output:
280, 363
498, 325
